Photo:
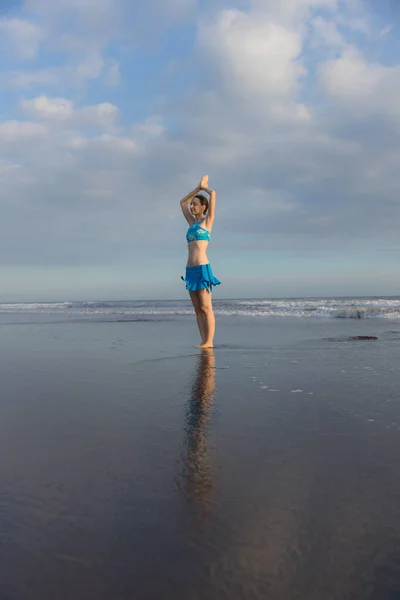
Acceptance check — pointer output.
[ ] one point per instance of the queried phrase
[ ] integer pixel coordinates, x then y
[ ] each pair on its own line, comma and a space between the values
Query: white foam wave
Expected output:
338, 308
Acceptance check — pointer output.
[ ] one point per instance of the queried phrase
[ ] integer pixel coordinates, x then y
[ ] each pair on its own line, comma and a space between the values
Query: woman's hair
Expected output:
203, 201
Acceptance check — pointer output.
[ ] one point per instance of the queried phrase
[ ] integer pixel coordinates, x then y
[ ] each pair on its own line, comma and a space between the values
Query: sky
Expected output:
112, 110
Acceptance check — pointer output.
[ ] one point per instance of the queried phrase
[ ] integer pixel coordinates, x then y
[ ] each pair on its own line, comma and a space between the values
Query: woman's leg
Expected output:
206, 310
199, 315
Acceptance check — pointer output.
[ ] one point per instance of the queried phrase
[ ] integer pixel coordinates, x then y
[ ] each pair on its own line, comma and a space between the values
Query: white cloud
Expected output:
6, 165
116, 143
71, 187
19, 131
79, 30
92, 23
90, 68
26, 79
151, 127
82, 30
256, 66
71, 74
24, 37
103, 114
358, 24
49, 108
88, 14
288, 9
386, 30
364, 88
253, 55
112, 73
326, 32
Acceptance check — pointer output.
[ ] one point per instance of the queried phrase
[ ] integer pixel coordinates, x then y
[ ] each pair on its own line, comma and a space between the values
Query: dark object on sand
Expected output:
352, 338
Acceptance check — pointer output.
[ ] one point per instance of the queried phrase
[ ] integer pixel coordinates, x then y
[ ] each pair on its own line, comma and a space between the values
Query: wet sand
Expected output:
135, 466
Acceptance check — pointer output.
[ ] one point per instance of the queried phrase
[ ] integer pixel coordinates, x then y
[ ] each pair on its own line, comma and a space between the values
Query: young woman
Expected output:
199, 276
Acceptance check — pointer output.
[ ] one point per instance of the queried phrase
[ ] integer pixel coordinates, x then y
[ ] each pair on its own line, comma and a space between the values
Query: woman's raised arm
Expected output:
190, 195
185, 201
211, 204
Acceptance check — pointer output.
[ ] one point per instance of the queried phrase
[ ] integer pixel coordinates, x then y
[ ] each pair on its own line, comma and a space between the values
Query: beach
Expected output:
136, 466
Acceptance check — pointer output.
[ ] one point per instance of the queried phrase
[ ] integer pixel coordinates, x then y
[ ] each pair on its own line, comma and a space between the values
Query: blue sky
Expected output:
111, 111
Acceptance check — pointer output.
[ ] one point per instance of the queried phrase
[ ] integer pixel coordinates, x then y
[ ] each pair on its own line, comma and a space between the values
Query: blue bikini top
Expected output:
196, 232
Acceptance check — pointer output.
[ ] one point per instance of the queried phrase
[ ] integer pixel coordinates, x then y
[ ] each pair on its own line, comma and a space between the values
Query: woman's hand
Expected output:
204, 182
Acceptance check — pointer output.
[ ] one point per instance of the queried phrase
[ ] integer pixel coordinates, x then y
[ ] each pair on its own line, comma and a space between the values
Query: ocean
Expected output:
317, 308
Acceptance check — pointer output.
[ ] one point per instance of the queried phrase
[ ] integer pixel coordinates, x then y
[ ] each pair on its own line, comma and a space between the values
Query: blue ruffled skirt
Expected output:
200, 277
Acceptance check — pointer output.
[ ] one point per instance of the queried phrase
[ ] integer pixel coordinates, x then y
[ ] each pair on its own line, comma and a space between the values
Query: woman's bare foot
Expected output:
205, 345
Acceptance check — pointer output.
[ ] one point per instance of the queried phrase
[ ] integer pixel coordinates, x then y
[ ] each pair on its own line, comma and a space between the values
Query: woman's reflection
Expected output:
198, 473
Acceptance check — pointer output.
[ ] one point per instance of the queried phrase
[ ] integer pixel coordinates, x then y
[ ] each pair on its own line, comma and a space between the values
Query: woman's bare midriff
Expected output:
197, 253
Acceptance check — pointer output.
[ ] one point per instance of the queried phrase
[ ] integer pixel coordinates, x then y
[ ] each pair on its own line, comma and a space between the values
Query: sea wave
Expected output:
317, 308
